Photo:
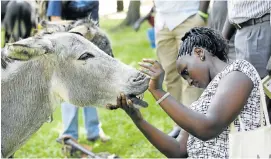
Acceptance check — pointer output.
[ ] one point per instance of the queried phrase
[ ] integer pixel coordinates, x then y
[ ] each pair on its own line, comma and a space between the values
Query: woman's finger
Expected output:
123, 100
147, 72
111, 107
119, 101
151, 61
130, 103
147, 66
107, 106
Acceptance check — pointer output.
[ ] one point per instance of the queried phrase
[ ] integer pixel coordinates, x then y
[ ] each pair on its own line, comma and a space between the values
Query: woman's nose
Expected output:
190, 81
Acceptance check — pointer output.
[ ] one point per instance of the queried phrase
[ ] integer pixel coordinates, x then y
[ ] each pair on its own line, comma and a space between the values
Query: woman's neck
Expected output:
216, 67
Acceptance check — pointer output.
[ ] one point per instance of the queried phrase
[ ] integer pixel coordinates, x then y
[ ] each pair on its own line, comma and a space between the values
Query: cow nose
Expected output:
139, 78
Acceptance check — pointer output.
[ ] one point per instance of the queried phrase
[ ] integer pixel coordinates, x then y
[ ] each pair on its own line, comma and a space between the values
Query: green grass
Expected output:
2, 37
126, 140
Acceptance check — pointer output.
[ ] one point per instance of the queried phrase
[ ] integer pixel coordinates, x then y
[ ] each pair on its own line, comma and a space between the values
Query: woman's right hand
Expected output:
128, 106
153, 69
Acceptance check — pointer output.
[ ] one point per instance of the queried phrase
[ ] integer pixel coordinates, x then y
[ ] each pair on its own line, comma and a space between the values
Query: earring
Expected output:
202, 58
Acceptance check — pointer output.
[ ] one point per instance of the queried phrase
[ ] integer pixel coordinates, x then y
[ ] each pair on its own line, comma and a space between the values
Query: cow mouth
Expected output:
137, 100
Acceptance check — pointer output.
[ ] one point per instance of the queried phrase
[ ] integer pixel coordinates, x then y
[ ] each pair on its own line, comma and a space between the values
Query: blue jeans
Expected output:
70, 121
72, 12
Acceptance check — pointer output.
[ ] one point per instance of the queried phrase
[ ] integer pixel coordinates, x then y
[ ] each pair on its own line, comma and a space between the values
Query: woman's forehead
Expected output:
181, 62
184, 58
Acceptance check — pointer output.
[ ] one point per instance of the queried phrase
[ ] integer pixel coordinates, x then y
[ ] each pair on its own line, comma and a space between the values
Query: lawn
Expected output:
126, 140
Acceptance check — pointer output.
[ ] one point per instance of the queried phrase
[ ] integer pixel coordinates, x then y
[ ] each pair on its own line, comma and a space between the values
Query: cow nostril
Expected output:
135, 80
139, 77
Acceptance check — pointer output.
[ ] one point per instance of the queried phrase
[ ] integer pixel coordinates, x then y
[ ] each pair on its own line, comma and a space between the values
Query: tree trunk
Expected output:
132, 16
133, 13
120, 5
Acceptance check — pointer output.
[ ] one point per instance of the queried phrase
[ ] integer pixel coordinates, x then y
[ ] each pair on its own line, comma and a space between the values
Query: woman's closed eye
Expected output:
185, 72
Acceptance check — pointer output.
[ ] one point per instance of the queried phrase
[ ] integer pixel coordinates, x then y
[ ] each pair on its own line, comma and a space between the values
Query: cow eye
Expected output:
77, 33
86, 56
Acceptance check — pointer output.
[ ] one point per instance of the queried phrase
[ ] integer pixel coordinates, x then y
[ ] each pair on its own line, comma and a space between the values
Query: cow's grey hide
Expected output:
85, 27
59, 64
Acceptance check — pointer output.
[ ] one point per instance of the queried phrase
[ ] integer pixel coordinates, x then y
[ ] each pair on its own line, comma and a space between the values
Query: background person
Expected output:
172, 20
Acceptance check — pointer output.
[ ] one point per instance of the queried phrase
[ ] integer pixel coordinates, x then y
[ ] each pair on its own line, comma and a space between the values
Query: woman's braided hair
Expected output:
206, 38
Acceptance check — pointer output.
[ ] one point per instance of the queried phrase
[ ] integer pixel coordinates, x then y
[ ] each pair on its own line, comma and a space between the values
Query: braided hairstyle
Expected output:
206, 38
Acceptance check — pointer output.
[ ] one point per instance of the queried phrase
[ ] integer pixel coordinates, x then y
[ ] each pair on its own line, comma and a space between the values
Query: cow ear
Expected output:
53, 27
95, 22
92, 22
84, 31
23, 52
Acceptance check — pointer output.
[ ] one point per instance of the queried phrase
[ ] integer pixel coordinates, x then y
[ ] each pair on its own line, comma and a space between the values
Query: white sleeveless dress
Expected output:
250, 115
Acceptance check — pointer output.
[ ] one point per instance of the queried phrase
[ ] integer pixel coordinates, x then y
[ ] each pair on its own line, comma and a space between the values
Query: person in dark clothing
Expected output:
73, 10
18, 19
217, 18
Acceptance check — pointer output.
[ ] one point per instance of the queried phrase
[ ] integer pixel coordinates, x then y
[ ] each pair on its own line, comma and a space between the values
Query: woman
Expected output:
230, 90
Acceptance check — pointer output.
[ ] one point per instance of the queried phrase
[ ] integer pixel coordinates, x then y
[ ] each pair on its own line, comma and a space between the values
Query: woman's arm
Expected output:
183, 138
167, 145
228, 30
231, 96
164, 143
204, 5
203, 9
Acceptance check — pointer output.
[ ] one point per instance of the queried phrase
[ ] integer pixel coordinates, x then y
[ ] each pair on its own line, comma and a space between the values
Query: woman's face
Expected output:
194, 69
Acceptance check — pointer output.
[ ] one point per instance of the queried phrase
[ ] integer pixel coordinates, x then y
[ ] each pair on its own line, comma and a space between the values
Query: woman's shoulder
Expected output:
246, 68
243, 63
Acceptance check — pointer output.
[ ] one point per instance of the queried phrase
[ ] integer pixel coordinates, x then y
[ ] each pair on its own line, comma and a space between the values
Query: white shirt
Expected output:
172, 13
240, 11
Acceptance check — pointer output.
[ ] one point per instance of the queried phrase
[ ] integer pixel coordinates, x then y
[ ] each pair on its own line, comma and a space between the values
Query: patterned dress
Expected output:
250, 115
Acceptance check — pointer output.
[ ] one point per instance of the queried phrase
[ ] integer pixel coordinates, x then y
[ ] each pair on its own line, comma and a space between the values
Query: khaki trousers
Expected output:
168, 44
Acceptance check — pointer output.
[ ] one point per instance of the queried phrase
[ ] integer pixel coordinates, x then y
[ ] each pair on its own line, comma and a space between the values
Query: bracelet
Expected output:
204, 15
162, 98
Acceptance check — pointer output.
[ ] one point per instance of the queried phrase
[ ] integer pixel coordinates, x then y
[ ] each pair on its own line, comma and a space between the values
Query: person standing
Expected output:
217, 18
251, 21
173, 19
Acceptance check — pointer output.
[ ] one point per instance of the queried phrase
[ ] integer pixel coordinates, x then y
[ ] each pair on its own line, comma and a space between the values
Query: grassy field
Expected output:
126, 140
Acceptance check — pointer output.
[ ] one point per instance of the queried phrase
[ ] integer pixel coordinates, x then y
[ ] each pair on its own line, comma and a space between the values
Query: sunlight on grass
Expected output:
126, 140
2, 37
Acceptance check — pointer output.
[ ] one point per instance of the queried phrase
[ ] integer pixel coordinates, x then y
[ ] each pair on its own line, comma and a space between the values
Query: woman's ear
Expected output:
199, 52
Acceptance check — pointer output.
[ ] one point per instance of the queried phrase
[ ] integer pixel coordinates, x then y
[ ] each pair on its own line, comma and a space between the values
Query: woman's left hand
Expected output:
153, 69
127, 106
